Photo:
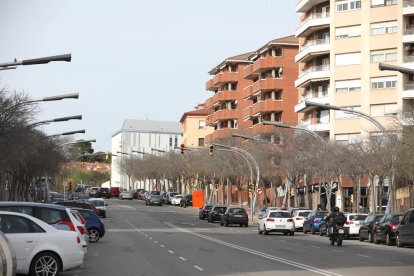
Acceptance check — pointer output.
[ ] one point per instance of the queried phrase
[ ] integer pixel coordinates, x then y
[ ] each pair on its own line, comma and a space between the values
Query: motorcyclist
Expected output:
335, 219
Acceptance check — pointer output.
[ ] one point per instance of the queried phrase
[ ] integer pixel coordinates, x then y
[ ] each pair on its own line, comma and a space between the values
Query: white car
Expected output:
299, 217
176, 199
126, 195
277, 221
353, 223
83, 232
39, 247
100, 204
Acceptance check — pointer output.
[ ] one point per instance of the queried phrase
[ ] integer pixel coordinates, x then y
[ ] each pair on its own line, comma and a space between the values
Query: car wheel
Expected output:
388, 239
313, 231
45, 263
320, 231
104, 215
339, 241
370, 237
226, 223
285, 233
265, 231
303, 230
361, 239
221, 223
376, 240
246, 224
292, 233
241, 224
398, 240
185, 205
259, 231
93, 235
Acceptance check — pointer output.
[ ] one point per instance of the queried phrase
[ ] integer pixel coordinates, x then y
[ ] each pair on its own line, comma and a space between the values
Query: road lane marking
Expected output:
150, 238
172, 252
257, 253
183, 259
339, 251
155, 242
366, 256
199, 268
315, 246
162, 245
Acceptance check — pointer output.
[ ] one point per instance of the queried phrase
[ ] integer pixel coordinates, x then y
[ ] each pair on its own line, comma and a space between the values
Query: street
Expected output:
169, 240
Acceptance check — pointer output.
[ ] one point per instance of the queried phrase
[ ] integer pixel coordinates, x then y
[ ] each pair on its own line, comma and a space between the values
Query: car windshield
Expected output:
237, 211
97, 202
397, 218
220, 209
155, 197
357, 217
303, 214
279, 215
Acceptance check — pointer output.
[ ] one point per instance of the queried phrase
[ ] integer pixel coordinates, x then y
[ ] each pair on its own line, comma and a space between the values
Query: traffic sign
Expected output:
259, 191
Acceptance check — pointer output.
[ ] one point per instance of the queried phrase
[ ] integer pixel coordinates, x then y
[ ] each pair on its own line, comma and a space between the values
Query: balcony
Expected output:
408, 61
221, 115
408, 91
305, 5
266, 106
408, 7
408, 35
315, 124
209, 103
225, 77
268, 84
321, 97
210, 86
247, 112
312, 23
248, 72
224, 95
248, 92
269, 62
313, 48
220, 133
313, 73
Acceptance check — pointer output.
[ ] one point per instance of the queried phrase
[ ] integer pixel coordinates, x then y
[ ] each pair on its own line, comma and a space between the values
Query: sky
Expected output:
131, 59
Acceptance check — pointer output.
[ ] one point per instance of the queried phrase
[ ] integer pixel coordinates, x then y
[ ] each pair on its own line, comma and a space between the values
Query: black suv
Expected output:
405, 230
216, 212
367, 229
103, 192
203, 213
187, 200
235, 215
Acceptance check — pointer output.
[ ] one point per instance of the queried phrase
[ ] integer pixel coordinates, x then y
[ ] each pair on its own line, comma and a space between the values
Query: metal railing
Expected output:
313, 43
408, 59
408, 86
314, 16
409, 31
408, 3
312, 69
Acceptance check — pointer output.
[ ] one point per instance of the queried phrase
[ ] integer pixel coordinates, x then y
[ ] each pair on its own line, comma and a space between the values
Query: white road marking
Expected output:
162, 245
183, 259
366, 256
339, 251
257, 253
155, 242
199, 268
172, 252
150, 238
314, 246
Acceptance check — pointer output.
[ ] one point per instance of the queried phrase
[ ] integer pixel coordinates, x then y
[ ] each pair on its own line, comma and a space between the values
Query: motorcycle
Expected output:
336, 234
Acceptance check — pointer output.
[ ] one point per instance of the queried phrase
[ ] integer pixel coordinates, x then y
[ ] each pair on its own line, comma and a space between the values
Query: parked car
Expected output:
79, 204
93, 191
277, 221
55, 196
203, 213
126, 195
367, 228
141, 194
405, 230
216, 212
155, 200
94, 225
265, 209
114, 192
80, 225
386, 228
155, 193
353, 223
187, 200
103, 193
52, 252
235, 215
313, 221
83, 197
299, 216
176, 199
169, 196
99, 204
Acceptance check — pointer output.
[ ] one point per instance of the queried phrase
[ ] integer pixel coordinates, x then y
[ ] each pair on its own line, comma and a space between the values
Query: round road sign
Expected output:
259, 191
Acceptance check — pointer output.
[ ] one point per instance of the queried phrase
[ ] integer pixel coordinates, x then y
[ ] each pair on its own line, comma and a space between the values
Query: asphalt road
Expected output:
169, 240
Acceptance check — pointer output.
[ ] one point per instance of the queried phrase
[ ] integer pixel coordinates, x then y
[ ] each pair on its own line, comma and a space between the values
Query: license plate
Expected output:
238, 216
340, 231
280, 226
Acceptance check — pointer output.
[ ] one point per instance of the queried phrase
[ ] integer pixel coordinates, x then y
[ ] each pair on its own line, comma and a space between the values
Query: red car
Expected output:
141, 194
114, 192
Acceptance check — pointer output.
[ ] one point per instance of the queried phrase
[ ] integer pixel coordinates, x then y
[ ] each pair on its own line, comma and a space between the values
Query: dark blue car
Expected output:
313, 221
94, 225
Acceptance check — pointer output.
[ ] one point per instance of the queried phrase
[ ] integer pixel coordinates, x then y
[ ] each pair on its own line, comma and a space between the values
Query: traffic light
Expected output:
70, 183
216, 186
182, 146
211, 148
251, 189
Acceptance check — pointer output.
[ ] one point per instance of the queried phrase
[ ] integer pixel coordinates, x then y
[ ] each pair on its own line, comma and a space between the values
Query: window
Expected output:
383, 109
381, 3
170, 141
384, 28
348, 5
175, 141
201, 124
348, 138
348, 59
383, 82
348, 85
10, 224
348, 32
384, 55
201, 142
339, 114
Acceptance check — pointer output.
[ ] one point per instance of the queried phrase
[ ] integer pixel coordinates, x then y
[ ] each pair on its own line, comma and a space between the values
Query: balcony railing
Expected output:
408, 59
315, 16
312, 69
409, 31
313, 43
314, 94
408, 3
408, 86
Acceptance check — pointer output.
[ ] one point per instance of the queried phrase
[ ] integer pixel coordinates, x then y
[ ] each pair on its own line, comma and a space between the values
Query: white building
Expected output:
150, 137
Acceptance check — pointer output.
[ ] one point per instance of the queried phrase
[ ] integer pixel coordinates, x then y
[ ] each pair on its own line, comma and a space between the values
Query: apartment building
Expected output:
254, 87
194, 127
341, 44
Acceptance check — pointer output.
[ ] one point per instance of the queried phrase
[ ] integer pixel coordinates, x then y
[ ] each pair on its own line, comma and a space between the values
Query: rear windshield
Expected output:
220, 209
173, 194
397, 218
303, 214
52, 216
320, 214
155, 197
279, 215
85, 214
237, 211
357, 217
18, 209
208, 207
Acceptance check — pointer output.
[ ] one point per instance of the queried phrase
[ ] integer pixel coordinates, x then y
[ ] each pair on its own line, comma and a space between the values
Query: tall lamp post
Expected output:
35, 61
391, 197
67, 133
62, 119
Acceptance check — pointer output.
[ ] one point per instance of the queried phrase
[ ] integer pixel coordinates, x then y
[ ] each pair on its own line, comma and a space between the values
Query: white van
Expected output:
100, 204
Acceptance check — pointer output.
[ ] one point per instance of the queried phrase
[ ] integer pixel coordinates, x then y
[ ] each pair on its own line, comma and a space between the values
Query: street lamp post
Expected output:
67, 133
62, 119
391, 198
35, 61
